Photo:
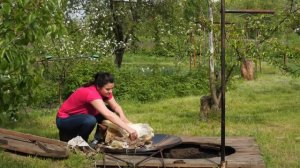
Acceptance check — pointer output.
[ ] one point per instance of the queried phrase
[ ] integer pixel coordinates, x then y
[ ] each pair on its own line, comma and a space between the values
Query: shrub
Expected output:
141, 84
155, 83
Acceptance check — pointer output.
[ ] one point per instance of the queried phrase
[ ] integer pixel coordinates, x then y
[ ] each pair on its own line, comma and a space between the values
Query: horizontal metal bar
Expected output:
250, 11
227, 23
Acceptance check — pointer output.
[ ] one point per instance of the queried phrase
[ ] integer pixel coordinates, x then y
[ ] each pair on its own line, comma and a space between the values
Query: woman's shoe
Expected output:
93, 144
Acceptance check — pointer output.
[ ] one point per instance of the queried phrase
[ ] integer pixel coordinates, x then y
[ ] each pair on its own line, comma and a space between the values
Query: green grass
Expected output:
266, 109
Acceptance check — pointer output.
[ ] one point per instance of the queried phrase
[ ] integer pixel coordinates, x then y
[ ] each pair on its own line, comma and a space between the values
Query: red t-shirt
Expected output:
80, 102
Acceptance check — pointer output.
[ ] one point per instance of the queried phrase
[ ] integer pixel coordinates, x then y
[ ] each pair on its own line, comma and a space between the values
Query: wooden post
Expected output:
200, 59
194, 49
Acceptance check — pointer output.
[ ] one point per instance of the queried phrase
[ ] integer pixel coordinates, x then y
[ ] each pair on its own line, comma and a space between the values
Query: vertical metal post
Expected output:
223, 66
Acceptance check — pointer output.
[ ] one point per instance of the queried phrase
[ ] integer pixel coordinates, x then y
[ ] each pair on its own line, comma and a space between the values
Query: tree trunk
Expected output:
194, 49
285, 59
212, 102
247, 69
119, 35
206, 107
119, 56
212, 75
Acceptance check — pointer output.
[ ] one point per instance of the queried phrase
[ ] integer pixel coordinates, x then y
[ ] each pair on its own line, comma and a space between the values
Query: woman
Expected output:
89, 105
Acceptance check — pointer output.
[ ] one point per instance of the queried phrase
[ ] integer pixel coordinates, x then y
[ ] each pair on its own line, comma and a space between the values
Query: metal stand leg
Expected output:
147, 158
104, 163
134, 165
223, 164
128, 163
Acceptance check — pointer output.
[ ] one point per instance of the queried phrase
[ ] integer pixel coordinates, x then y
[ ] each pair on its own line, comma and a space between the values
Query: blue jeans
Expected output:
77, 125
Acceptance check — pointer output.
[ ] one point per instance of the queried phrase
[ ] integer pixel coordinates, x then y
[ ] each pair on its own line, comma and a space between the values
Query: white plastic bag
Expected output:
78, 141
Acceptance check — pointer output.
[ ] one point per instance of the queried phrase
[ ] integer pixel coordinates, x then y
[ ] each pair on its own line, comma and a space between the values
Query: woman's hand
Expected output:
133, 135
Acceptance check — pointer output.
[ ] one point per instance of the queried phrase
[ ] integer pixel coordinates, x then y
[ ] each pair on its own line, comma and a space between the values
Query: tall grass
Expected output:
266, 109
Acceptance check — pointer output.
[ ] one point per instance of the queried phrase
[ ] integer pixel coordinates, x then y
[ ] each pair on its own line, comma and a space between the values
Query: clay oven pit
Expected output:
190, 152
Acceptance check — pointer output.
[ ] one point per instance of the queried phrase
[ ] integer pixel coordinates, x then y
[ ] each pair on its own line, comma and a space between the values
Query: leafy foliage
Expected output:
22, 24
141, 84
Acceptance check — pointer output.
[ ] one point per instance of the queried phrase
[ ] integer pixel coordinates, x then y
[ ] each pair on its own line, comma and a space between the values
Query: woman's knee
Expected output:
90, 120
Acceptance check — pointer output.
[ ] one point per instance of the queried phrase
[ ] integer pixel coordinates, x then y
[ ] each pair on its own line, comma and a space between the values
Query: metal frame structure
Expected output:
223, 67
132, 164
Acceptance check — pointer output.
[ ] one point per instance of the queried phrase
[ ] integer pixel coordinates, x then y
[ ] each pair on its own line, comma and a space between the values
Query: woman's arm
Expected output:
100, 106
118, 109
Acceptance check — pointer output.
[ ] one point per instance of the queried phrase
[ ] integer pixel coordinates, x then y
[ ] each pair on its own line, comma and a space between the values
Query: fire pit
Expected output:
192, 152
159, 142
195, 151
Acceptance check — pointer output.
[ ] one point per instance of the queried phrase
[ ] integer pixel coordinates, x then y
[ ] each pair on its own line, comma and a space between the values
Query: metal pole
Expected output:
223, 66
250, 11
223, 163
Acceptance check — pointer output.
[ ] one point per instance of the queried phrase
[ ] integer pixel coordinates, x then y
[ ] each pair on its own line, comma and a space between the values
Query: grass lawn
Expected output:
266, 109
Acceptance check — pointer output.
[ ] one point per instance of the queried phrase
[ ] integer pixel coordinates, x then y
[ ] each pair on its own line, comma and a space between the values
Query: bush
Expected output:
141, 84
155, 83
62, 82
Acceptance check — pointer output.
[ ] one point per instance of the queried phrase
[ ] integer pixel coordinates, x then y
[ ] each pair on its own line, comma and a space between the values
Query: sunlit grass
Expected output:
266, 109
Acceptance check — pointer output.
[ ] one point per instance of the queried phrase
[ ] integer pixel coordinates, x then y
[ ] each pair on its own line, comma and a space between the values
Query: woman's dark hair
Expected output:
101, 79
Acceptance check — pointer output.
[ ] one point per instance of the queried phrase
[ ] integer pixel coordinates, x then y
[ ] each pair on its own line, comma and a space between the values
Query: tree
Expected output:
23, 24
212, 101
117, 21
